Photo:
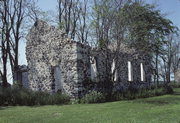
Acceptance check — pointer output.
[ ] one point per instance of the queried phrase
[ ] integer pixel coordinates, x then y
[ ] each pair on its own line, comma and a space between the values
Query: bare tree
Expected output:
171, 58
176, 55
33, 11
5, 40
72, 16
109, 33
14, 14
83, 23
65, 8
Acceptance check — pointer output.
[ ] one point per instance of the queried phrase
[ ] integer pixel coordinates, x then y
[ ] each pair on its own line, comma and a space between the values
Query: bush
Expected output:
20, 96
117, 97
141, 93
168, 89
93, 97
175, 85
59, 98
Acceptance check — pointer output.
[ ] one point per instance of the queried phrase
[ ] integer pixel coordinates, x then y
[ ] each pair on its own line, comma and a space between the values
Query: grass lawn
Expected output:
161, 109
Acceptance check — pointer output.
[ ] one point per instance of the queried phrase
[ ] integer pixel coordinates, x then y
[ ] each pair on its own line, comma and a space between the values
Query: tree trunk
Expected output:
4, 76
157, 72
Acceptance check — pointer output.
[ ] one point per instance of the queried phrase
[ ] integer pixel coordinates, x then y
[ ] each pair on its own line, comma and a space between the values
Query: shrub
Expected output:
168, 89
117, 96
93, 97
42, 98
20, 96
6, 96
129, 95
59, 98
141, 93
175, 85
1, 96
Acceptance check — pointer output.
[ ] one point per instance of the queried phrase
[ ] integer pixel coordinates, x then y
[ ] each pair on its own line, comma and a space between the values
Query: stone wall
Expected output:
41, 52
69, 69
177, 76
122, 82
121, 59
75, 68
23, 74
55, 62
103, 61
0, 81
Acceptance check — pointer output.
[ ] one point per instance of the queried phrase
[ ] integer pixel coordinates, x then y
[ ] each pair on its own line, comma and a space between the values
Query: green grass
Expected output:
161, 109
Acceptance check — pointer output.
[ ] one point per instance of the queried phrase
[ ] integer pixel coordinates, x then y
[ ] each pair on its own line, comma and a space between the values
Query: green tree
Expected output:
146, 27
147, 30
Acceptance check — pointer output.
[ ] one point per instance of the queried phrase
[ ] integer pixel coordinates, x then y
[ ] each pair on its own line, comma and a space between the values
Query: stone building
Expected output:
0, 81
57, 63
22, 76
177, 76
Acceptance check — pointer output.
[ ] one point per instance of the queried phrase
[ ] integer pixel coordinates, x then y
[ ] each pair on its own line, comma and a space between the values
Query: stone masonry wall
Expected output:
75, 68
121, 65
49, 48
56, 62
177, 76
42, 54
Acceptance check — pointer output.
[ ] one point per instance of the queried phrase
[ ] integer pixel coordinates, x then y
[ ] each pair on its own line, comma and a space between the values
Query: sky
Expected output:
171, 8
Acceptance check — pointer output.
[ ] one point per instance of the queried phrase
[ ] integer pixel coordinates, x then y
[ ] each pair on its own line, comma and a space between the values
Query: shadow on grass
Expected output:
171, 99
176, 93
5, 107
29, 106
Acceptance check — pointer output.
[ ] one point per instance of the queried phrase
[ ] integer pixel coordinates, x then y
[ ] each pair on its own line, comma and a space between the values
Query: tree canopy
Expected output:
146, 26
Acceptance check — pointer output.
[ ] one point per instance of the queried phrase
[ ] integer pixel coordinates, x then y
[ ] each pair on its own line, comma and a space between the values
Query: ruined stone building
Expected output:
56, 62
0, 81
177, 76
